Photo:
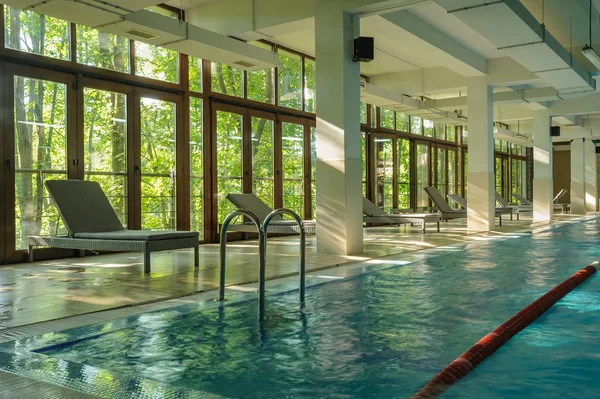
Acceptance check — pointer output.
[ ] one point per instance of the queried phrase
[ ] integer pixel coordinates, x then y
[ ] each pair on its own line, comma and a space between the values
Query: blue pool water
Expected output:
385, 334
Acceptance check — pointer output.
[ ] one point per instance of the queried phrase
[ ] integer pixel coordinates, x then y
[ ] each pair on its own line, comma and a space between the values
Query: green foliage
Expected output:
35, 33
402, 122
195, 73
105, 145
229, 160
196, 167
262, 160
428, 128
290, 80
101, 49
310, 85
363, 113
386, 118
293, 167
226, 79
416, 125
156, 62
384, 189
403, 173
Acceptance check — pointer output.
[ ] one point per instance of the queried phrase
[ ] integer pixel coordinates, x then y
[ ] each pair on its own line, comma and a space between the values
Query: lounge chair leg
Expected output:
147, 261
424, 225
517, 216
197, 256
30, 254
511, 216
438, 227
500, 220
81, 253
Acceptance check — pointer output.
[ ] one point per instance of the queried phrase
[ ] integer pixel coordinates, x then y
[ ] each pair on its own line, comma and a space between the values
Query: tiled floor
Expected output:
47, 290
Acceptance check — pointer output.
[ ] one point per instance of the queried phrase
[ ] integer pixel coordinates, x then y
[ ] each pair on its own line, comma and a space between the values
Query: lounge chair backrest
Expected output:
437, 199
500, 199
560, 195
370, 209
83, 206
252, 203
458, 199
522, 200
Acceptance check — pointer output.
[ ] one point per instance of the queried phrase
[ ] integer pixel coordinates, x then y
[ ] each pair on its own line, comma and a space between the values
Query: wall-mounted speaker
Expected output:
555, 131
364, 49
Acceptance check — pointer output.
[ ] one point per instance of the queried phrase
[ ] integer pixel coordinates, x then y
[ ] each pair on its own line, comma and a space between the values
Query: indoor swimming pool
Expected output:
377, 335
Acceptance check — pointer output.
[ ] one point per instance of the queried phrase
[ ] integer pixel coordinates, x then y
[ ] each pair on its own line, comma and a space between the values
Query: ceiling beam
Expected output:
467, 62
522, 97
576, 106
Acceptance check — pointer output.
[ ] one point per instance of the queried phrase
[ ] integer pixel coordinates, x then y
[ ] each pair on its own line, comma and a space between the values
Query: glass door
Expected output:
41, 146
403, 173
263, 157
384, 170
158, 162
105, 133
422, 174
296, 168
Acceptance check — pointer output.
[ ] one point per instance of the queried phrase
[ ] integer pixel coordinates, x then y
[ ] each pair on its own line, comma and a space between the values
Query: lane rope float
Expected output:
490, 343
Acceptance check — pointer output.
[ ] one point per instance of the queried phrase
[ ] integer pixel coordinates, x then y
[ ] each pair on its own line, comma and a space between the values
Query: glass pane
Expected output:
309, 86
195, 73
37, 34
229, 160
428, 128
105, 143
156, 62
450, 133
466, 169
363, 164
465, 135
290, 80
261, 85
313, 169
226, 79
402, 122
440, 131
293, 166
422, 175
40, 154
386, 118
498, 174
403, 173
363, 113
157, 129
102, 49
262, 160
497, 145
441, 172
415, 125
452, 189
196, 167
384, 188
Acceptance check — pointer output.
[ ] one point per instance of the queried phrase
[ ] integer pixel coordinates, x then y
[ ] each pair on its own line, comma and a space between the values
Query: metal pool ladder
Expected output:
262, 250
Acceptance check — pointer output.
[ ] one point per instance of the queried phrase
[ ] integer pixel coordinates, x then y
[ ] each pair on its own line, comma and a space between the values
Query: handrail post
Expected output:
298, 220
261, 254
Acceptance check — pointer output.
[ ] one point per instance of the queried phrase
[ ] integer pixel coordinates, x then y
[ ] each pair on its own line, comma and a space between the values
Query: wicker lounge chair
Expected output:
372, 214
557, 206
93, 225
447, 212
277, 225
499, 211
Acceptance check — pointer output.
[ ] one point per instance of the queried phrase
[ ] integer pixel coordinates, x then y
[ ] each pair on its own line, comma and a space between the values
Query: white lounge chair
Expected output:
557, 206
277, 225
522, 200
93, 225
373, 214
447, 212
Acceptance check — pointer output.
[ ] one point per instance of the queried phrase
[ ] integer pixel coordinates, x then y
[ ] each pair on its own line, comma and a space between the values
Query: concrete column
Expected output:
578, 176
482, 200
591, 177
338, 180
542, 167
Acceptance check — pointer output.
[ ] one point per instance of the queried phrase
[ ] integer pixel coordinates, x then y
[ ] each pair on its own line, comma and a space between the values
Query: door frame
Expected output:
72, 151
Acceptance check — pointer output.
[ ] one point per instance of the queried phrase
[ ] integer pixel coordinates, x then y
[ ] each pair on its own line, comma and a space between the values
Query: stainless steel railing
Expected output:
284, 211
262, 229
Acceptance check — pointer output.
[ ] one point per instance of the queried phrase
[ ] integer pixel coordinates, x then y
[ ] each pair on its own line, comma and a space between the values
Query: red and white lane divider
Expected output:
489, 344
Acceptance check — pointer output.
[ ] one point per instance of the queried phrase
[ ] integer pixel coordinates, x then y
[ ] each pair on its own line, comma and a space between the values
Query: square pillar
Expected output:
578, 203
591, 176
482, 200
338, 176
543, 186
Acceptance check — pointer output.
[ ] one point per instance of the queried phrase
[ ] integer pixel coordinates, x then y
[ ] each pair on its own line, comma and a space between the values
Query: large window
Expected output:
228, 80
290, 80
263, 173
403, 168
195, 73
292, 153
157, 129
105, 145
261, 83
156, 62
386, 118
196, 167
384, 169
229, 160
101, 49
310, 85
40, 117
37, 34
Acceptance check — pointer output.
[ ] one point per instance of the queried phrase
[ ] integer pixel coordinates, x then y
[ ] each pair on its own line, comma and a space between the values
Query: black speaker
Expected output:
555, 131
364, 49
597, 150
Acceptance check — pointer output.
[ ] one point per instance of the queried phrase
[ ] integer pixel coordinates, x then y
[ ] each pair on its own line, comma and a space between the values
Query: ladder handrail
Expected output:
261, 256
285, 211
